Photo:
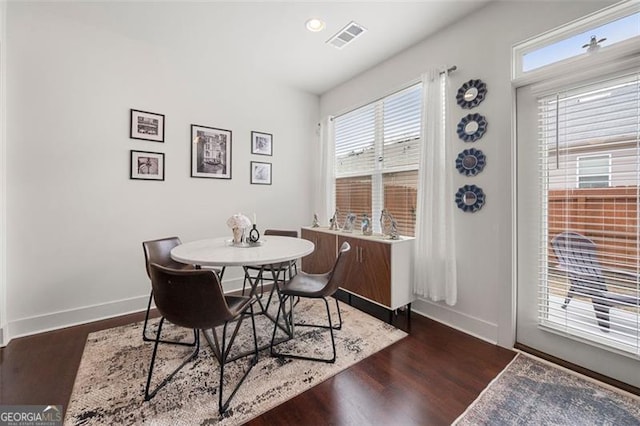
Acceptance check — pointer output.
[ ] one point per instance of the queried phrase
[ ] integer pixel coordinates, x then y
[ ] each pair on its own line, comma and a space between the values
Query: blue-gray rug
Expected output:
531, 392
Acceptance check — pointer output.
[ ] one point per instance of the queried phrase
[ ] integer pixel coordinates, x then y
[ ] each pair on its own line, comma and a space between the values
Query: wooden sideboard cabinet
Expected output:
324, 255
380, 270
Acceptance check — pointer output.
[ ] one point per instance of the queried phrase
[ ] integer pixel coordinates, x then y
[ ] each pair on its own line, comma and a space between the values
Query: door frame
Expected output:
573, 350
4, 331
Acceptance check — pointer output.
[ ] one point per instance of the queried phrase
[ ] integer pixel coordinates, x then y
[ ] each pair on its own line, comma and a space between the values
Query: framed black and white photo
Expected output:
260, 173
147, 165
210, 152
261, 143
147, 126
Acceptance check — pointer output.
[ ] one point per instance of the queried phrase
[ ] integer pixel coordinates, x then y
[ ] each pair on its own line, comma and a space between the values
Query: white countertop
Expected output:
221, 252
358, 234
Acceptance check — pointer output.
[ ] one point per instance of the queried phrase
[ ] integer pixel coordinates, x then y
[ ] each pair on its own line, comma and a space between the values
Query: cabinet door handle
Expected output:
361, 258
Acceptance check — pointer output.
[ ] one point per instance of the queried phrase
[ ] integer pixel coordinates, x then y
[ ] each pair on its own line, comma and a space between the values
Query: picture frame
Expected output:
146, 165
210, 152
261, 143
147, 126
260, 173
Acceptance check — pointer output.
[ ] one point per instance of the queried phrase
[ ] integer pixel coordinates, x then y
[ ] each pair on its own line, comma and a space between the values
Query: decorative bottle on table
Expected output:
365, 225
254, 234
334, 226
349, 223
388, 225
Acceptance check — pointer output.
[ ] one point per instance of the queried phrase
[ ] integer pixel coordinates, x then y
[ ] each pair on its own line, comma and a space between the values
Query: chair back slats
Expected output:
189, 298
159, 251
578, 255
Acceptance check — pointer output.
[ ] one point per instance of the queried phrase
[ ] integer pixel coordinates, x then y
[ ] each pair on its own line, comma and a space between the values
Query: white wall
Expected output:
480, 46
75, 219
3, 188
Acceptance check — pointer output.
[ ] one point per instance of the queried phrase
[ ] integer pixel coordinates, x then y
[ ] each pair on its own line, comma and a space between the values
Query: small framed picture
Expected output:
210, 152
261, 143
147, 165
147, 126
260, 173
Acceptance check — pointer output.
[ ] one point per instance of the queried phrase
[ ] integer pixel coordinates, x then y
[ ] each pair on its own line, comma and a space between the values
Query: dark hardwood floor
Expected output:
429, 377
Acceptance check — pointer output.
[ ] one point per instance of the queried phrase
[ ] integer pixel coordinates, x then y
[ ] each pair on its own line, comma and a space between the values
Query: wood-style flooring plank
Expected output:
429, 377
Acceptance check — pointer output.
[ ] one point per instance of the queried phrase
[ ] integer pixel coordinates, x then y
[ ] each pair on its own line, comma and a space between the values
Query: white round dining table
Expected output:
221, 252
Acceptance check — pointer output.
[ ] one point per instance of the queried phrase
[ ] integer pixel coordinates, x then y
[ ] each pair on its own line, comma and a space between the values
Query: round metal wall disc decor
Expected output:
470, 162
471, 94
470, 198
472, 127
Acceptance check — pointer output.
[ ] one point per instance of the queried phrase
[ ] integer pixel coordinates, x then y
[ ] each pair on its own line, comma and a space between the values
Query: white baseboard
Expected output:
83, 315
61, 319
476, 327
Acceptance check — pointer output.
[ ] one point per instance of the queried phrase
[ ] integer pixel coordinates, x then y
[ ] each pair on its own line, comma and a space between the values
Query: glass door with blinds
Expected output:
376, 159
578, 199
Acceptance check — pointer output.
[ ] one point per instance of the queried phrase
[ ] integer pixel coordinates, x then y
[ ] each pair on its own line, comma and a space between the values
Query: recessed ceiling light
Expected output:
315, 25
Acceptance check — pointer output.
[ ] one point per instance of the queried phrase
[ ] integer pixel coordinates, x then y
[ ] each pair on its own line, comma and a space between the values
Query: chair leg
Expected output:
146, 320
602, 313
148, 395
295, 356
275, 277
570, 293
283, 301
339, 327
226, 346
244, 283
152, 339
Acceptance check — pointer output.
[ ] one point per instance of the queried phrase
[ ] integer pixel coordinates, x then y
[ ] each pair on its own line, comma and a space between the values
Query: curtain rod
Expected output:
415, 81
453, 68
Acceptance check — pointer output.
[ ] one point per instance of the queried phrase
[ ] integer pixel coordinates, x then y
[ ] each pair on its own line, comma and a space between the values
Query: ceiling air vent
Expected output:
346, 35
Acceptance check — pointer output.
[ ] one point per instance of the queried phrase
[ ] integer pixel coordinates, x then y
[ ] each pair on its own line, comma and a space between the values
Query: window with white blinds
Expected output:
377, 150
590, 184
594, 171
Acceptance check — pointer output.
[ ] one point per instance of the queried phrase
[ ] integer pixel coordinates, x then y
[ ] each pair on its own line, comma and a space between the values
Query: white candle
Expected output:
254, 218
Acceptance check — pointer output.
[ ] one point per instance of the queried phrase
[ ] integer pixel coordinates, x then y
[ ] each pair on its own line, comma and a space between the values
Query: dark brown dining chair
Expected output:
313, 286
274, 273
195, 299
159, 251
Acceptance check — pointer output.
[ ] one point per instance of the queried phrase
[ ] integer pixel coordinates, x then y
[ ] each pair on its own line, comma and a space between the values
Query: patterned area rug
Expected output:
109, 386
532, 392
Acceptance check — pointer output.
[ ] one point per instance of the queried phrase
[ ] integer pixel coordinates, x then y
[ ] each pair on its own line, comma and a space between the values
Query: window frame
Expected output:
596, 19
593, 156
378, 170
584, 334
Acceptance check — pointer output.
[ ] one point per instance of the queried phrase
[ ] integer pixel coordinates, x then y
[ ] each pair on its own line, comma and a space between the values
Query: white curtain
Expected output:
325, 198
435, 253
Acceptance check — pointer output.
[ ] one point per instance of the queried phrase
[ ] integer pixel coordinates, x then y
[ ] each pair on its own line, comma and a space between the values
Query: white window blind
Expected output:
376, 156
590, 264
